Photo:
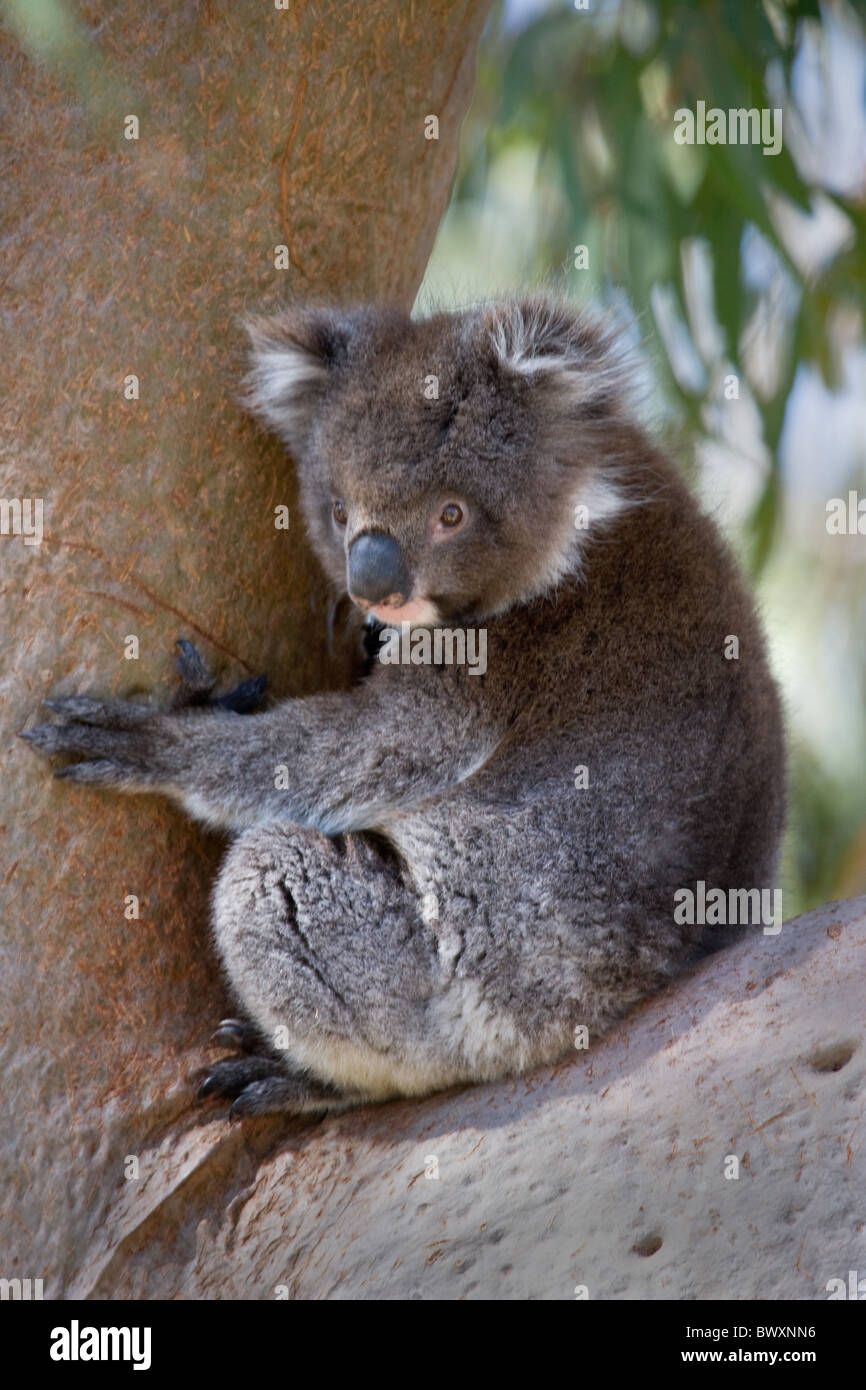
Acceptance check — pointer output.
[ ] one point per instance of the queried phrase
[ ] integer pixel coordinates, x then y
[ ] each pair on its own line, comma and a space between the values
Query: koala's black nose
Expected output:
376, 570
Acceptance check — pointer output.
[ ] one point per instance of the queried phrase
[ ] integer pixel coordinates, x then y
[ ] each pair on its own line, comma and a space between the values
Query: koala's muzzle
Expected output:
376, 569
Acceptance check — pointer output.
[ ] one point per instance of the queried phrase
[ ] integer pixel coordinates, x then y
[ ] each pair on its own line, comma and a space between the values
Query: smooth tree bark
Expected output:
155, 159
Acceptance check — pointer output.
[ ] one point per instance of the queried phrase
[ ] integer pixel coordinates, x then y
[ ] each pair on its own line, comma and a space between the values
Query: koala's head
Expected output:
441, 461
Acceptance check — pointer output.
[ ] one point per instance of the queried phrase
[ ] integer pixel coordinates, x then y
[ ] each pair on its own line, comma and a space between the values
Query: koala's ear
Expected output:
293, 355
559, 349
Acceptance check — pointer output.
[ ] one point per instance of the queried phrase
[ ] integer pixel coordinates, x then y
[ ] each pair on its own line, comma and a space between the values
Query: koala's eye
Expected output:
451, 515
340, 514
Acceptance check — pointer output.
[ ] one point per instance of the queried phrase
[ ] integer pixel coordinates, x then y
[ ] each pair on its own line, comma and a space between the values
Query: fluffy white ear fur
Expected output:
587, 373
540, 339
288, 377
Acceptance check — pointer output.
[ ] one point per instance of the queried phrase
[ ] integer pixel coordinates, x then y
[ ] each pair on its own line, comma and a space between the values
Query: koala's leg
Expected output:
326, 949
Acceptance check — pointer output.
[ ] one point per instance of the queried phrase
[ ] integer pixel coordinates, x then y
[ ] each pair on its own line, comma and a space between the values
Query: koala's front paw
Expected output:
197, 684
119, 744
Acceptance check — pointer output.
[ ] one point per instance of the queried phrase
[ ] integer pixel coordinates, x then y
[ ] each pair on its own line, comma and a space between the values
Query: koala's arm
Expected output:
337, 762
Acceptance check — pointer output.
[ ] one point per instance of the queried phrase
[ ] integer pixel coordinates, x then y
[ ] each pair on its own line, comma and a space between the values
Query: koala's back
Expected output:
639, 758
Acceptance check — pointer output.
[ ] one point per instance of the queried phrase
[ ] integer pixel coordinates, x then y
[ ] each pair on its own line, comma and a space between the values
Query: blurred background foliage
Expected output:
732, 266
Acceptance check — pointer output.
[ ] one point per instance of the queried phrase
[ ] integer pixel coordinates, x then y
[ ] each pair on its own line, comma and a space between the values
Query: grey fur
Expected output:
431, 900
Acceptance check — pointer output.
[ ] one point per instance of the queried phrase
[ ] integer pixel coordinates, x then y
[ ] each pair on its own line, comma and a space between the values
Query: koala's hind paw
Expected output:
292, 1095
259, 1086
230, 1077
197, 684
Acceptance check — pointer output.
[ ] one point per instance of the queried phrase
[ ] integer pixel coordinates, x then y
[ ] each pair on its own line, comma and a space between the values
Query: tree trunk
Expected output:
124, 257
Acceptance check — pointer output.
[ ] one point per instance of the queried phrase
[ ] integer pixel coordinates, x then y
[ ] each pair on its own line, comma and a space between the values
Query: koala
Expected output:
437, 876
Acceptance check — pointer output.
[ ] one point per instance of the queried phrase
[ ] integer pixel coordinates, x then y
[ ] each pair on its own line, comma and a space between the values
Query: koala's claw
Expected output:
233, 1032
